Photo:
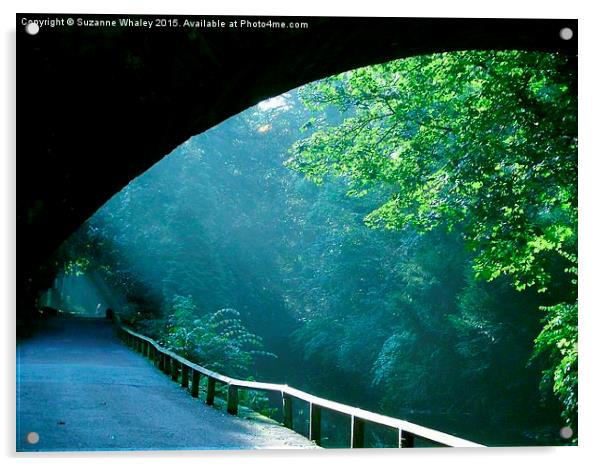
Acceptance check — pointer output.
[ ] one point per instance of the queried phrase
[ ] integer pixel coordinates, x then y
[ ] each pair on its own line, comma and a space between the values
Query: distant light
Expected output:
273, 102
264, 128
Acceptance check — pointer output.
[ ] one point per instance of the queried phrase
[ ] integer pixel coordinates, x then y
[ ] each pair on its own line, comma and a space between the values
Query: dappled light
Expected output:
82, 294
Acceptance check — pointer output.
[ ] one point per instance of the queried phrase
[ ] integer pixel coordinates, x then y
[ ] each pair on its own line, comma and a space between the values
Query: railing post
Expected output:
210, 390
315, 417
232, 399
185, 372
287, 410
196, 379
166, 364
174, 370
357, 432
161, 360
406, 439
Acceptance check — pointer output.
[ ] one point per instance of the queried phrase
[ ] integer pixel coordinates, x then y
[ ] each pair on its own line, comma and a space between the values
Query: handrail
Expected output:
177, 366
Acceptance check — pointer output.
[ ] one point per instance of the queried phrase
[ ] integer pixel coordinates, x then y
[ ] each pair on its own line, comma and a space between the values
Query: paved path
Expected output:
80, 388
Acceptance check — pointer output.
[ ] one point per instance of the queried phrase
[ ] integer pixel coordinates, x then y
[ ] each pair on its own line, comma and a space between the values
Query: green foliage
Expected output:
77, 266
395, 367
558, 341
480, 141
258, 401
218, 341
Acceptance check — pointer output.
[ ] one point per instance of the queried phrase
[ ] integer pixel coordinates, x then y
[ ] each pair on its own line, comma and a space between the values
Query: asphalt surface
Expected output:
80, 388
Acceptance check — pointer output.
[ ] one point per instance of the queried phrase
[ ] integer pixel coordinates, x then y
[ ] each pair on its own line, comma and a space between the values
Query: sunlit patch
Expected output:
264, 128
274, 102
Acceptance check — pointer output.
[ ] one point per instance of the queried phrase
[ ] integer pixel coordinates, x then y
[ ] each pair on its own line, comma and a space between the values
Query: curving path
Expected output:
80, 388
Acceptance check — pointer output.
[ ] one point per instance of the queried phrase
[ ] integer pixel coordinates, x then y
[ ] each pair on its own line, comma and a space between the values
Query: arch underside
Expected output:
99, 106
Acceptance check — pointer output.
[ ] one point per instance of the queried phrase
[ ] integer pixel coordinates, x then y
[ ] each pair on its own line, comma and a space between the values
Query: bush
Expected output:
218, 341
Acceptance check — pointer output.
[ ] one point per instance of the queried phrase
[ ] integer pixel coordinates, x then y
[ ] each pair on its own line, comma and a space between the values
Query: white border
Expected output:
589, 198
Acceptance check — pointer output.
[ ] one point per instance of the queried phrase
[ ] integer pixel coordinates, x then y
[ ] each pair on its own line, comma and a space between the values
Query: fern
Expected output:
219, 341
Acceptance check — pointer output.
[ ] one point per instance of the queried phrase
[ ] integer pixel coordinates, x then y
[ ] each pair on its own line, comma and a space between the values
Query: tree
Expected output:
484, 143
